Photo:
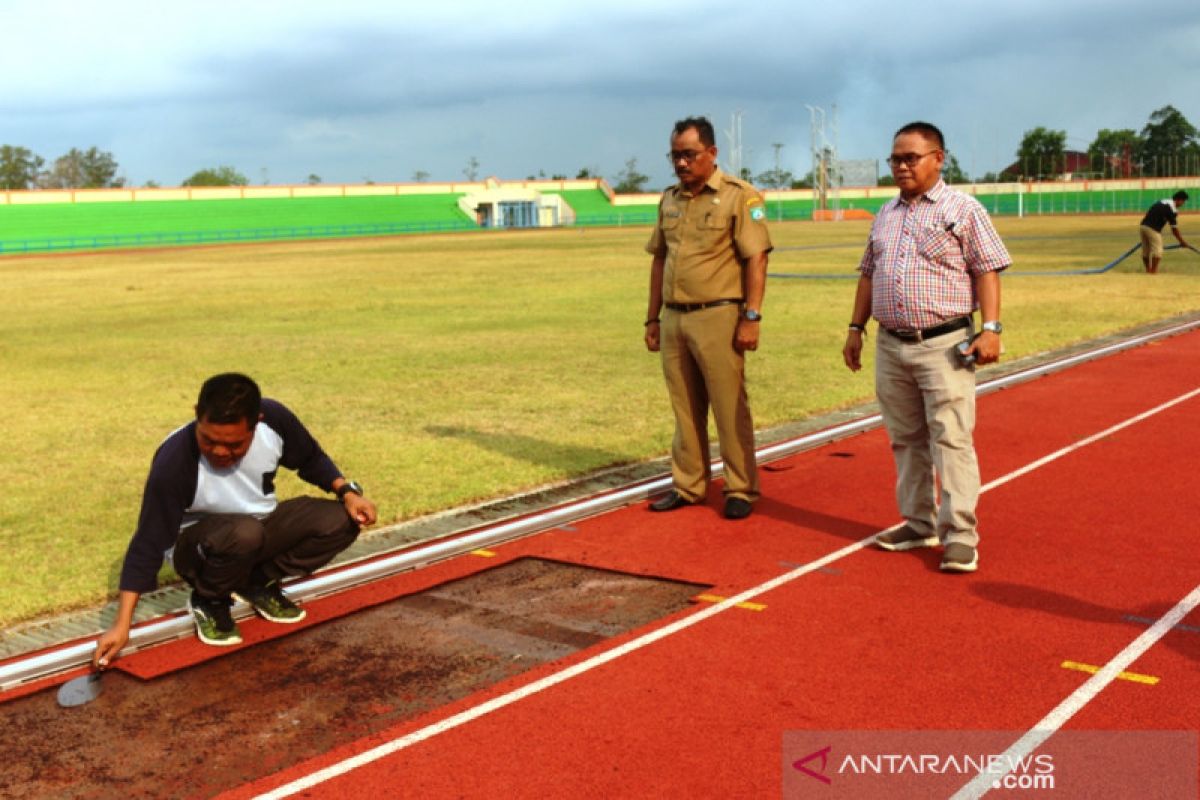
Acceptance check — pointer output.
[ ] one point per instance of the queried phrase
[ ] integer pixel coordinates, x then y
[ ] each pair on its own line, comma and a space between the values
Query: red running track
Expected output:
1078, 558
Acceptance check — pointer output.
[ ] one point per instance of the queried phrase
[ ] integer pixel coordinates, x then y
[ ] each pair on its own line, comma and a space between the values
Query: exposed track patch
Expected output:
223, 723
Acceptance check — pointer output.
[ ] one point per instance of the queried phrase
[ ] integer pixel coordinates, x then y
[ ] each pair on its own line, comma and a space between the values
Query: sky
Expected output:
379, 90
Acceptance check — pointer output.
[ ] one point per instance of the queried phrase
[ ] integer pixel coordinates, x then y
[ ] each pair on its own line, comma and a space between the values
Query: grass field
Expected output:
435, 369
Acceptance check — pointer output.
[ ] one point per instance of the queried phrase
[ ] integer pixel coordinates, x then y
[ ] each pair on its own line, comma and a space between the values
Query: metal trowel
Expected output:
81, 690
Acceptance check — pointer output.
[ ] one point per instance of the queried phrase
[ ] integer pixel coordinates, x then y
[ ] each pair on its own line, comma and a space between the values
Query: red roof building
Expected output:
1078, 166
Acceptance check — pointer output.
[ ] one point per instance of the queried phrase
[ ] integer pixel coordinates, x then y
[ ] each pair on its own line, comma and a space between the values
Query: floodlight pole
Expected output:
835, 169
778, 184
734, 135
818, 170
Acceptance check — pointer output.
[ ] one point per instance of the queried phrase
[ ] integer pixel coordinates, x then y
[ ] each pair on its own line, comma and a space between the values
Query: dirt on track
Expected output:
223, 723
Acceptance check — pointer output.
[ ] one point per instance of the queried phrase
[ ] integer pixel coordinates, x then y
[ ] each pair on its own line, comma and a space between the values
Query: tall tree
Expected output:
471, 170
952, 172
1169, 140
777, 177
629, 180
774, 178
1042, 153
219, 176
19, 168
83, 169
65, 173
1116, 153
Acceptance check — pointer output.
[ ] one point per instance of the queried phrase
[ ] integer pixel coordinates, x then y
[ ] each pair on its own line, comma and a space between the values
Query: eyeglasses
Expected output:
689, 156
909, 160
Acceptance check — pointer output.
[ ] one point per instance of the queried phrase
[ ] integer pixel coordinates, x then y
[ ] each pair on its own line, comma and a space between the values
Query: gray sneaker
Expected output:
958, 557
904, 539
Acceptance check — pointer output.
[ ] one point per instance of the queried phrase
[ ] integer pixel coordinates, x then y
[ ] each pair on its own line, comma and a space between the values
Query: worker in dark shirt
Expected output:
210, 506
1159, 215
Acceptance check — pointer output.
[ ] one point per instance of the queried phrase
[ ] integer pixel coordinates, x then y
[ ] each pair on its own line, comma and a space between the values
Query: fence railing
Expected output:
50, 244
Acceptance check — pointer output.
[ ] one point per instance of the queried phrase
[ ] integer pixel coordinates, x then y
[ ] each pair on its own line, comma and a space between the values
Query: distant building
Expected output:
1077, 166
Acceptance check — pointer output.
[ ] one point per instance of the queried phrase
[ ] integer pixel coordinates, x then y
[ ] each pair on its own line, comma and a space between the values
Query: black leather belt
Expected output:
928, 333
686, 307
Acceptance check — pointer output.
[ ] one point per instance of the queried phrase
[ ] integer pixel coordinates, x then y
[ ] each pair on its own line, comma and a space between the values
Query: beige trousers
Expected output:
703, 369
928, 403
1152, 242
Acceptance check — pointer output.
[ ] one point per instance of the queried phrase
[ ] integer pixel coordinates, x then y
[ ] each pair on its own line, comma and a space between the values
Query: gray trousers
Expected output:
928, 402
217, 554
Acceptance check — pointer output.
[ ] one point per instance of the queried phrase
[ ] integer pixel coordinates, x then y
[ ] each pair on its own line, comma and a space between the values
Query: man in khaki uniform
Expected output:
707, 277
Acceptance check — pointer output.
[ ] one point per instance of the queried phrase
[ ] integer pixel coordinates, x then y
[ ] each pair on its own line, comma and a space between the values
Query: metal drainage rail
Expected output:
52, 662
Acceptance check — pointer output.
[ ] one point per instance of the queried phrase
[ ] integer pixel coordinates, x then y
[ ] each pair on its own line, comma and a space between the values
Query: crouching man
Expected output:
209, 505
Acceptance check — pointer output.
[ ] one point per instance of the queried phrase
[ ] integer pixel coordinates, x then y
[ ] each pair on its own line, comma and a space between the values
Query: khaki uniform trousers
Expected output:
703, 369
928, 402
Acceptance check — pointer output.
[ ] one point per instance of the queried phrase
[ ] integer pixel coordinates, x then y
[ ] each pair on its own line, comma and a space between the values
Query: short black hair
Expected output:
229, 397
926, 129
703, 128
1180, 196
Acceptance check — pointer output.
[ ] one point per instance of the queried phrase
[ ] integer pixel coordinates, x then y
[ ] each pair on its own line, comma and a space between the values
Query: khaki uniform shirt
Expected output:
706, 239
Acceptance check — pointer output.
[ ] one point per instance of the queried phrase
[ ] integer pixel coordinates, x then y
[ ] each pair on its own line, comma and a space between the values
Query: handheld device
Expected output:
961, 350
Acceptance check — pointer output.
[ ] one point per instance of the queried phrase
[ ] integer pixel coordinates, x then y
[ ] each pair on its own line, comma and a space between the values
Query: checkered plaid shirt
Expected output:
923, 256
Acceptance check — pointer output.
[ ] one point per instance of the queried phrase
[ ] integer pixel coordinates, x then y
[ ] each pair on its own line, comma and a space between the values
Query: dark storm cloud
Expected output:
374, 89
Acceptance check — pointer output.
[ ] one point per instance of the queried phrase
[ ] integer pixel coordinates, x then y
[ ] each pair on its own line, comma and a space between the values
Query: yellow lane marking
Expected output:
1125, 676
483, 553
716, 598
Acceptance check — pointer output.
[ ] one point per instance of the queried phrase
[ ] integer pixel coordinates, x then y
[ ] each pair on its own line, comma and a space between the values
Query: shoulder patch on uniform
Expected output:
741, 184
758, 213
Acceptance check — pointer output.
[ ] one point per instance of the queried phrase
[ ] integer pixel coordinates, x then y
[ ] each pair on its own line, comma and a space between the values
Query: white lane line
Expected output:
984, 782
1057, 454
497, 703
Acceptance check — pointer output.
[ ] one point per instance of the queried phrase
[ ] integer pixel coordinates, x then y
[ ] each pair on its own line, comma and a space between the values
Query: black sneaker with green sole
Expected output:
271, 603
214, 623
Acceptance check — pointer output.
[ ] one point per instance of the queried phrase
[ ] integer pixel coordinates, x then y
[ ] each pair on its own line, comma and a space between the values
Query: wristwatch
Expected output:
750, 315
347, 487
994, 326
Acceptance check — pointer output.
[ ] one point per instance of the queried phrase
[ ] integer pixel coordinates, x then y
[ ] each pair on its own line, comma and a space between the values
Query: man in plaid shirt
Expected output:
933, 258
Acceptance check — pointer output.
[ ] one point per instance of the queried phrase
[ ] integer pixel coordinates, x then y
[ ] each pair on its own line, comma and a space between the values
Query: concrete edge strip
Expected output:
41, 665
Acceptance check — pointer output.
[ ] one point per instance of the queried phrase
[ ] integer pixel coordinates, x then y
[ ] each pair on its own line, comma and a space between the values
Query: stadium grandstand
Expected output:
81, 220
